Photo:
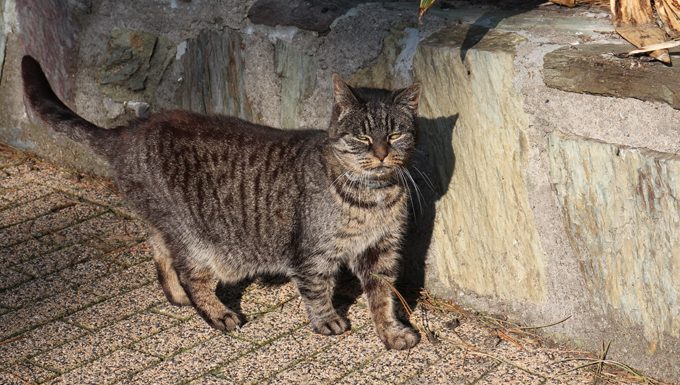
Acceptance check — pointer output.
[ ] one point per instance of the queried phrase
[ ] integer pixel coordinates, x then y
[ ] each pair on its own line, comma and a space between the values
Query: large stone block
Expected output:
298, 80
622, 214
213, 71
484, 240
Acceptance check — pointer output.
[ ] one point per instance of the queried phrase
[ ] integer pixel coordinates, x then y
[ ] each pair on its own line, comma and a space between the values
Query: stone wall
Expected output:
548, 189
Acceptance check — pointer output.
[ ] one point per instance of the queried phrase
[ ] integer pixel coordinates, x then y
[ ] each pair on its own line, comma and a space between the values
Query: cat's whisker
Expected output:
338, 178
417, 190
405, 185
425, 178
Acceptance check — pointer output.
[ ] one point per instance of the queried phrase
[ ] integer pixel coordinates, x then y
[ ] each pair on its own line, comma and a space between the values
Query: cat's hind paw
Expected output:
227, 322
400, 337
330, 326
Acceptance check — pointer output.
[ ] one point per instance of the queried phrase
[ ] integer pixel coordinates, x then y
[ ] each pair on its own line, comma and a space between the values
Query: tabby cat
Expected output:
229, 199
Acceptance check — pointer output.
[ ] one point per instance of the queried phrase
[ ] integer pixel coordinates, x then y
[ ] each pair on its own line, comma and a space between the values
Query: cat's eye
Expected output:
394, 136
363, 138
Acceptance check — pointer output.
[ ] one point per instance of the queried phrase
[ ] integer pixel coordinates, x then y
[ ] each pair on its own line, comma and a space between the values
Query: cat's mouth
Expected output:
381, 172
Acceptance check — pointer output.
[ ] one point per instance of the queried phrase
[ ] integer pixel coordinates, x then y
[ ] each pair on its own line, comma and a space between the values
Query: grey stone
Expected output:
134, 64
309, 15
298, 80
213, 71
596, 69
621, 210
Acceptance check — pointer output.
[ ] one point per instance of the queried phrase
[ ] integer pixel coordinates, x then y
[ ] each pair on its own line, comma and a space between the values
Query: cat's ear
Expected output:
408, 97
344, 97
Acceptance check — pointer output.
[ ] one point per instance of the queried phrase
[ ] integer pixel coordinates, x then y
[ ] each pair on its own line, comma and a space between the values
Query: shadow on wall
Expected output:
432, 170
491, 19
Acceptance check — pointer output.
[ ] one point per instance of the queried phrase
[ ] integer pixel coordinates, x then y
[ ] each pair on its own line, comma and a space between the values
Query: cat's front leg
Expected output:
377, 270
316, 291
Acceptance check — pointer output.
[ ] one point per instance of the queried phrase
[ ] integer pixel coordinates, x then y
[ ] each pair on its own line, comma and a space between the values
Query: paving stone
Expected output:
116, 308
86, 272
45, 310
212, 380
90, 346
259, 297
32, 291
28, 373
353, 351
177, 338
457, 367
52, 222
4, 204
57, 260
131, 256
7, 378
107, 227
37, 340
358, 378
65, 217
179, 312
118, 365
192, 363
307, 372
34, 209
10, 157
10, 278
125, 280
24, 193
408, 363
270, 325
274, 357
22, 252
504, 374
15, 234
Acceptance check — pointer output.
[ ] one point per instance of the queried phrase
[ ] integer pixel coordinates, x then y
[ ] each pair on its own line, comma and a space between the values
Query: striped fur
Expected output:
228, 199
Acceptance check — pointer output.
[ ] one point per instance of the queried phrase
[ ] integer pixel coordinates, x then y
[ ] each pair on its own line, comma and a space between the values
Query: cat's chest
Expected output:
361, 228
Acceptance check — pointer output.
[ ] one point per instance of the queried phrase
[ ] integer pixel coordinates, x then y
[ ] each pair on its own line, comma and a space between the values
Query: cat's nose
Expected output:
380, 151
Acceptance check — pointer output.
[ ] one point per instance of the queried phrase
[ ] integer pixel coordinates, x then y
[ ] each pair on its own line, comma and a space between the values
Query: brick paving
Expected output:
79, 304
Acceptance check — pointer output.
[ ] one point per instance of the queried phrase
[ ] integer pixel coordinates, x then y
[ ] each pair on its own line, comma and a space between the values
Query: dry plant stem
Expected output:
428, 333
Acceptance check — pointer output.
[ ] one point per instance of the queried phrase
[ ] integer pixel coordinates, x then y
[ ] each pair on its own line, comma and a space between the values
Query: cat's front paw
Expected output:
227, 321
399, 337
330, 326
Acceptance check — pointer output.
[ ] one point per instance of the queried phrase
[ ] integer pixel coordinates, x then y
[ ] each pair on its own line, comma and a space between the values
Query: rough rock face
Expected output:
134, 64
212, 79
298, 80
485, 239
310, 15
622, 213
54, 42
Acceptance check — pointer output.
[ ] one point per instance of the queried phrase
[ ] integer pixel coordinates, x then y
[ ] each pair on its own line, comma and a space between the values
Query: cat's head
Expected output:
372, 130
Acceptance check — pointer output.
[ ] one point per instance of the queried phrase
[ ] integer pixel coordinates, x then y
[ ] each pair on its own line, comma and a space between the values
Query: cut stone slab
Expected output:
213, 80
298, 81
622, 212
484, 238
594, 69
309, 15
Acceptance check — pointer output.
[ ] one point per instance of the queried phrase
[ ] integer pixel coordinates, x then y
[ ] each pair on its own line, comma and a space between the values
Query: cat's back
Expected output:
216, 175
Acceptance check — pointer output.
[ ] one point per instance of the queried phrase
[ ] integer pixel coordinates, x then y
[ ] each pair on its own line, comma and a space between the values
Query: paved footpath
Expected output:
79, 304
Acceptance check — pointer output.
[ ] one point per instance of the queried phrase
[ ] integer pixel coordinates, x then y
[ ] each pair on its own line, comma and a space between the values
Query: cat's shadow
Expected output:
432, 169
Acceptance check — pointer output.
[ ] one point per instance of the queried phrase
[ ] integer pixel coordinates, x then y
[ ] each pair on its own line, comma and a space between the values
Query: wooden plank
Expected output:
634, 21
669, 13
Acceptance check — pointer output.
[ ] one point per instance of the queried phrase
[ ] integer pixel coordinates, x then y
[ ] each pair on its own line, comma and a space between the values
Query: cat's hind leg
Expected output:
167, 275
201, 291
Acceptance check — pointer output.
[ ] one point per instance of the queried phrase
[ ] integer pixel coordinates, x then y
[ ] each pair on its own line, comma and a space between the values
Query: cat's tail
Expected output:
51, 110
